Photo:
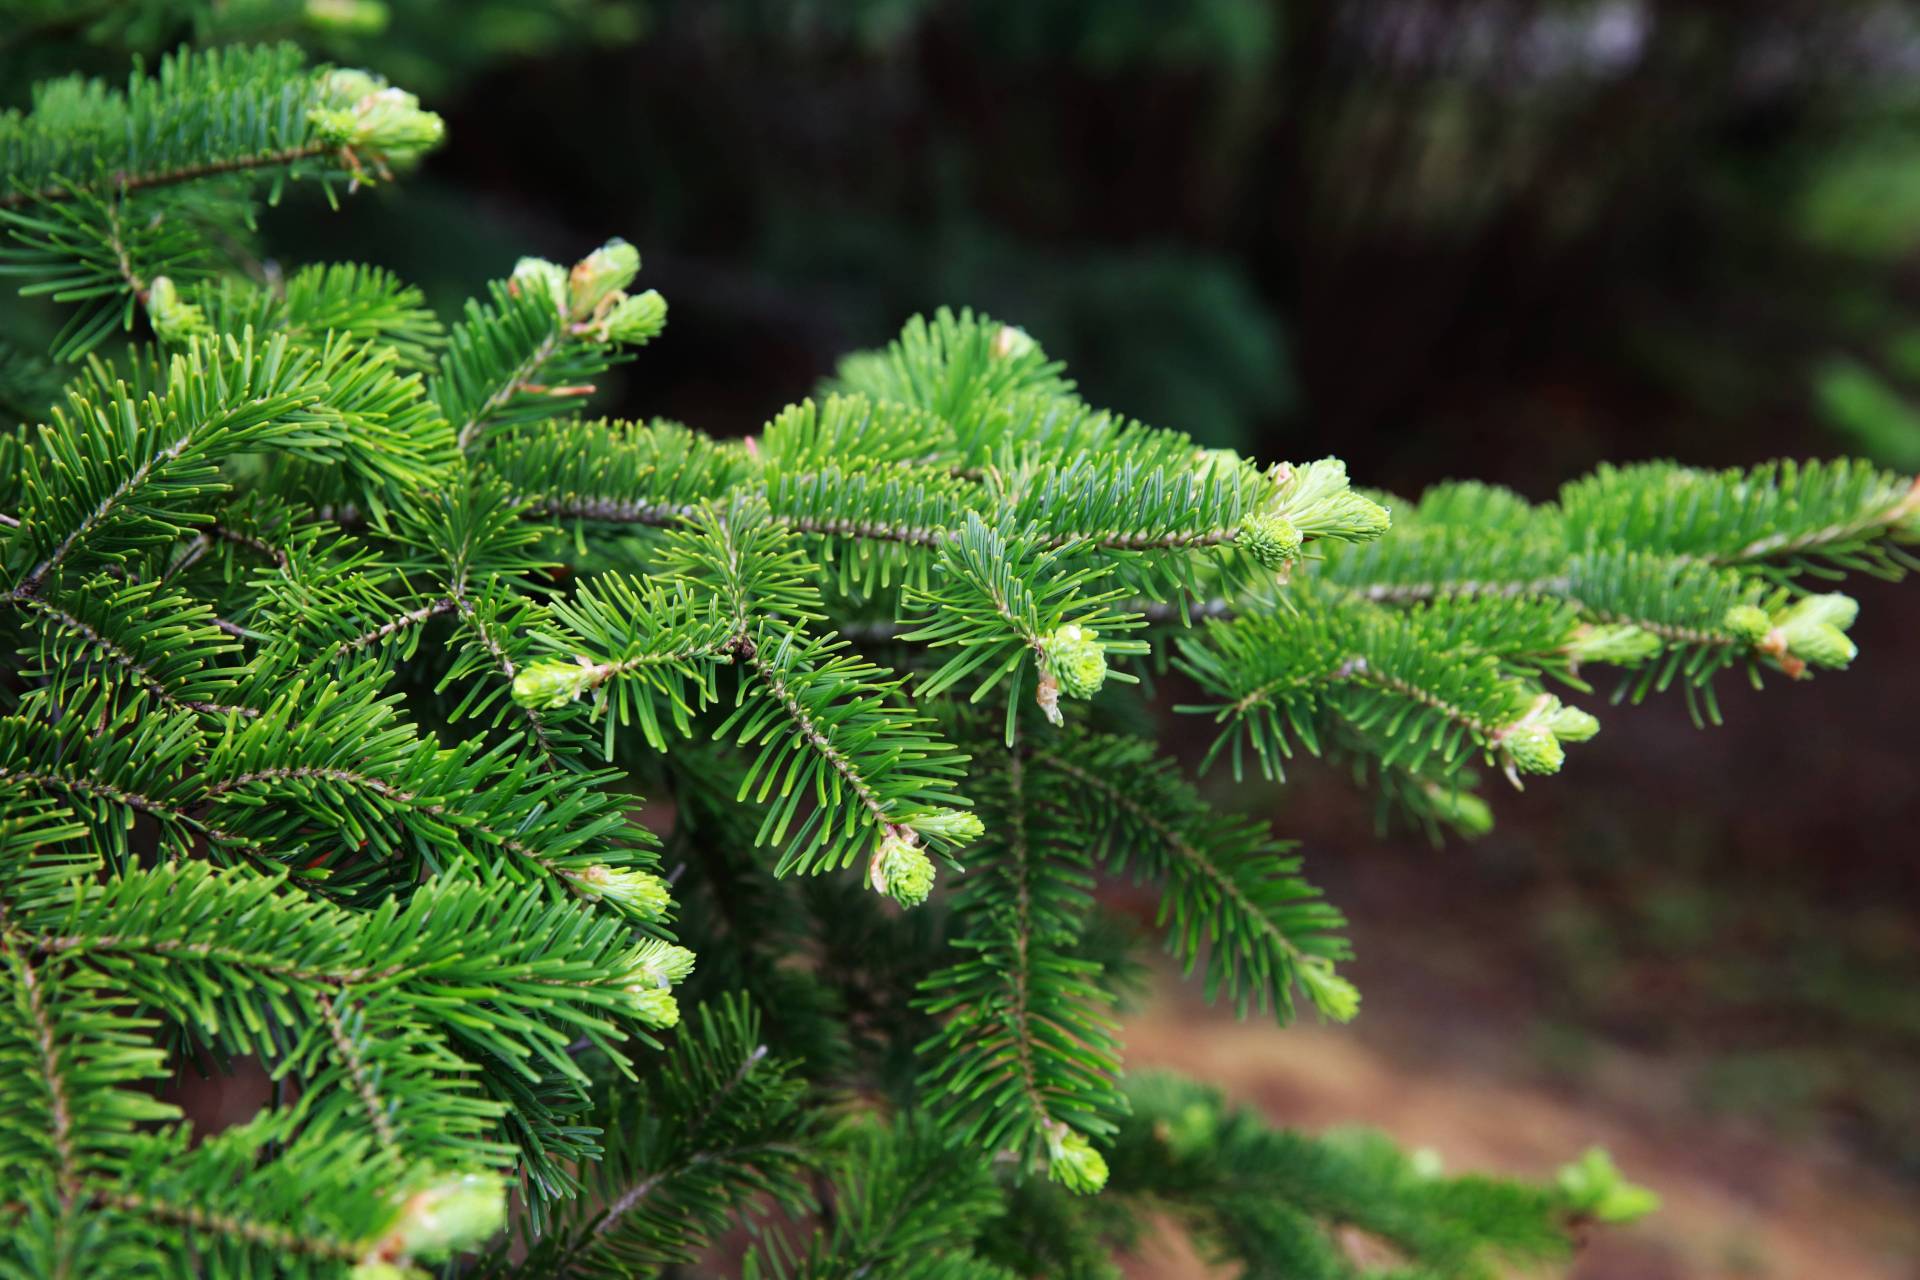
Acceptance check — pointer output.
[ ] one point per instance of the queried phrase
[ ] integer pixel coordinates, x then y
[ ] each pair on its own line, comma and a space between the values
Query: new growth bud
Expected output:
1272, 540
1571, 724
1815, 629
638, 893
1072, 1162
543, 278
1593, 1187
1532, 744
1011, 342
1318, 502
349, 84
363, 112
652, 969
658, 964
1532, 748
553, 683
1811, 632
1331, 994
449, 1215
1905, 516
637, 319
954, 826
601, 275
655, 1006
173, 318
1076, 660
901, 869
592, 299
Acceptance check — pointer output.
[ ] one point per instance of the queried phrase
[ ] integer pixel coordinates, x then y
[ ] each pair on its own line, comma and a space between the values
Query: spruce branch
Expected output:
1025, 1058
113, 197
718, 1126
1226, 880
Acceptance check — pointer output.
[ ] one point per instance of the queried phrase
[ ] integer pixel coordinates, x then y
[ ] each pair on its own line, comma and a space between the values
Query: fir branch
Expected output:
1021, 931
611, 511
122, 182
142, 672
1203, 867
809, 731
214, 953
394, 626
517, 381
496, 650
1024, 1060
46, 1057
234, 1226
350, 1059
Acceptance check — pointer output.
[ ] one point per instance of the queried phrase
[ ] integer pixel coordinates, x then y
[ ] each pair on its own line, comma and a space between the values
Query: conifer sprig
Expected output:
345, 647
112, 197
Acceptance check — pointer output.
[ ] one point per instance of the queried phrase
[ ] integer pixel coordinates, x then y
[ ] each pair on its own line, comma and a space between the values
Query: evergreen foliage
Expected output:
344, 646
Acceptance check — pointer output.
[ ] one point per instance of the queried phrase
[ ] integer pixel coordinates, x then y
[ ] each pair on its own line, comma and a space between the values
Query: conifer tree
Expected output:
344, 642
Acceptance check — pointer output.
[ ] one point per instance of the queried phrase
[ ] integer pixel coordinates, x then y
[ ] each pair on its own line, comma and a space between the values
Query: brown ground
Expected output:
1740, 1202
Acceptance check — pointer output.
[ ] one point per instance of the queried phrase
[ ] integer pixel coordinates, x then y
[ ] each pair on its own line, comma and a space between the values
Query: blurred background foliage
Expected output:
1505, 238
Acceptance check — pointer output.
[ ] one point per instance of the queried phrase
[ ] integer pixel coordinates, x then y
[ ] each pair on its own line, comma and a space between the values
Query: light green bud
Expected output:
638, 893
347, 17
551, 683
655, 1006
902, 870
955, 826
1619, 645
335, 125
173, 318
391, 122
1834, 609
1905, 515
451, 1215
1272, 540
1820, 644
1331, 994
1073, 1163
1011, 342
1571, 724
347, 85
1592, 1187
600, 275
655, 963
1748, 621
1815, 629
1532, 748
1317, 499
543, 278
637, 319
1076, 659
